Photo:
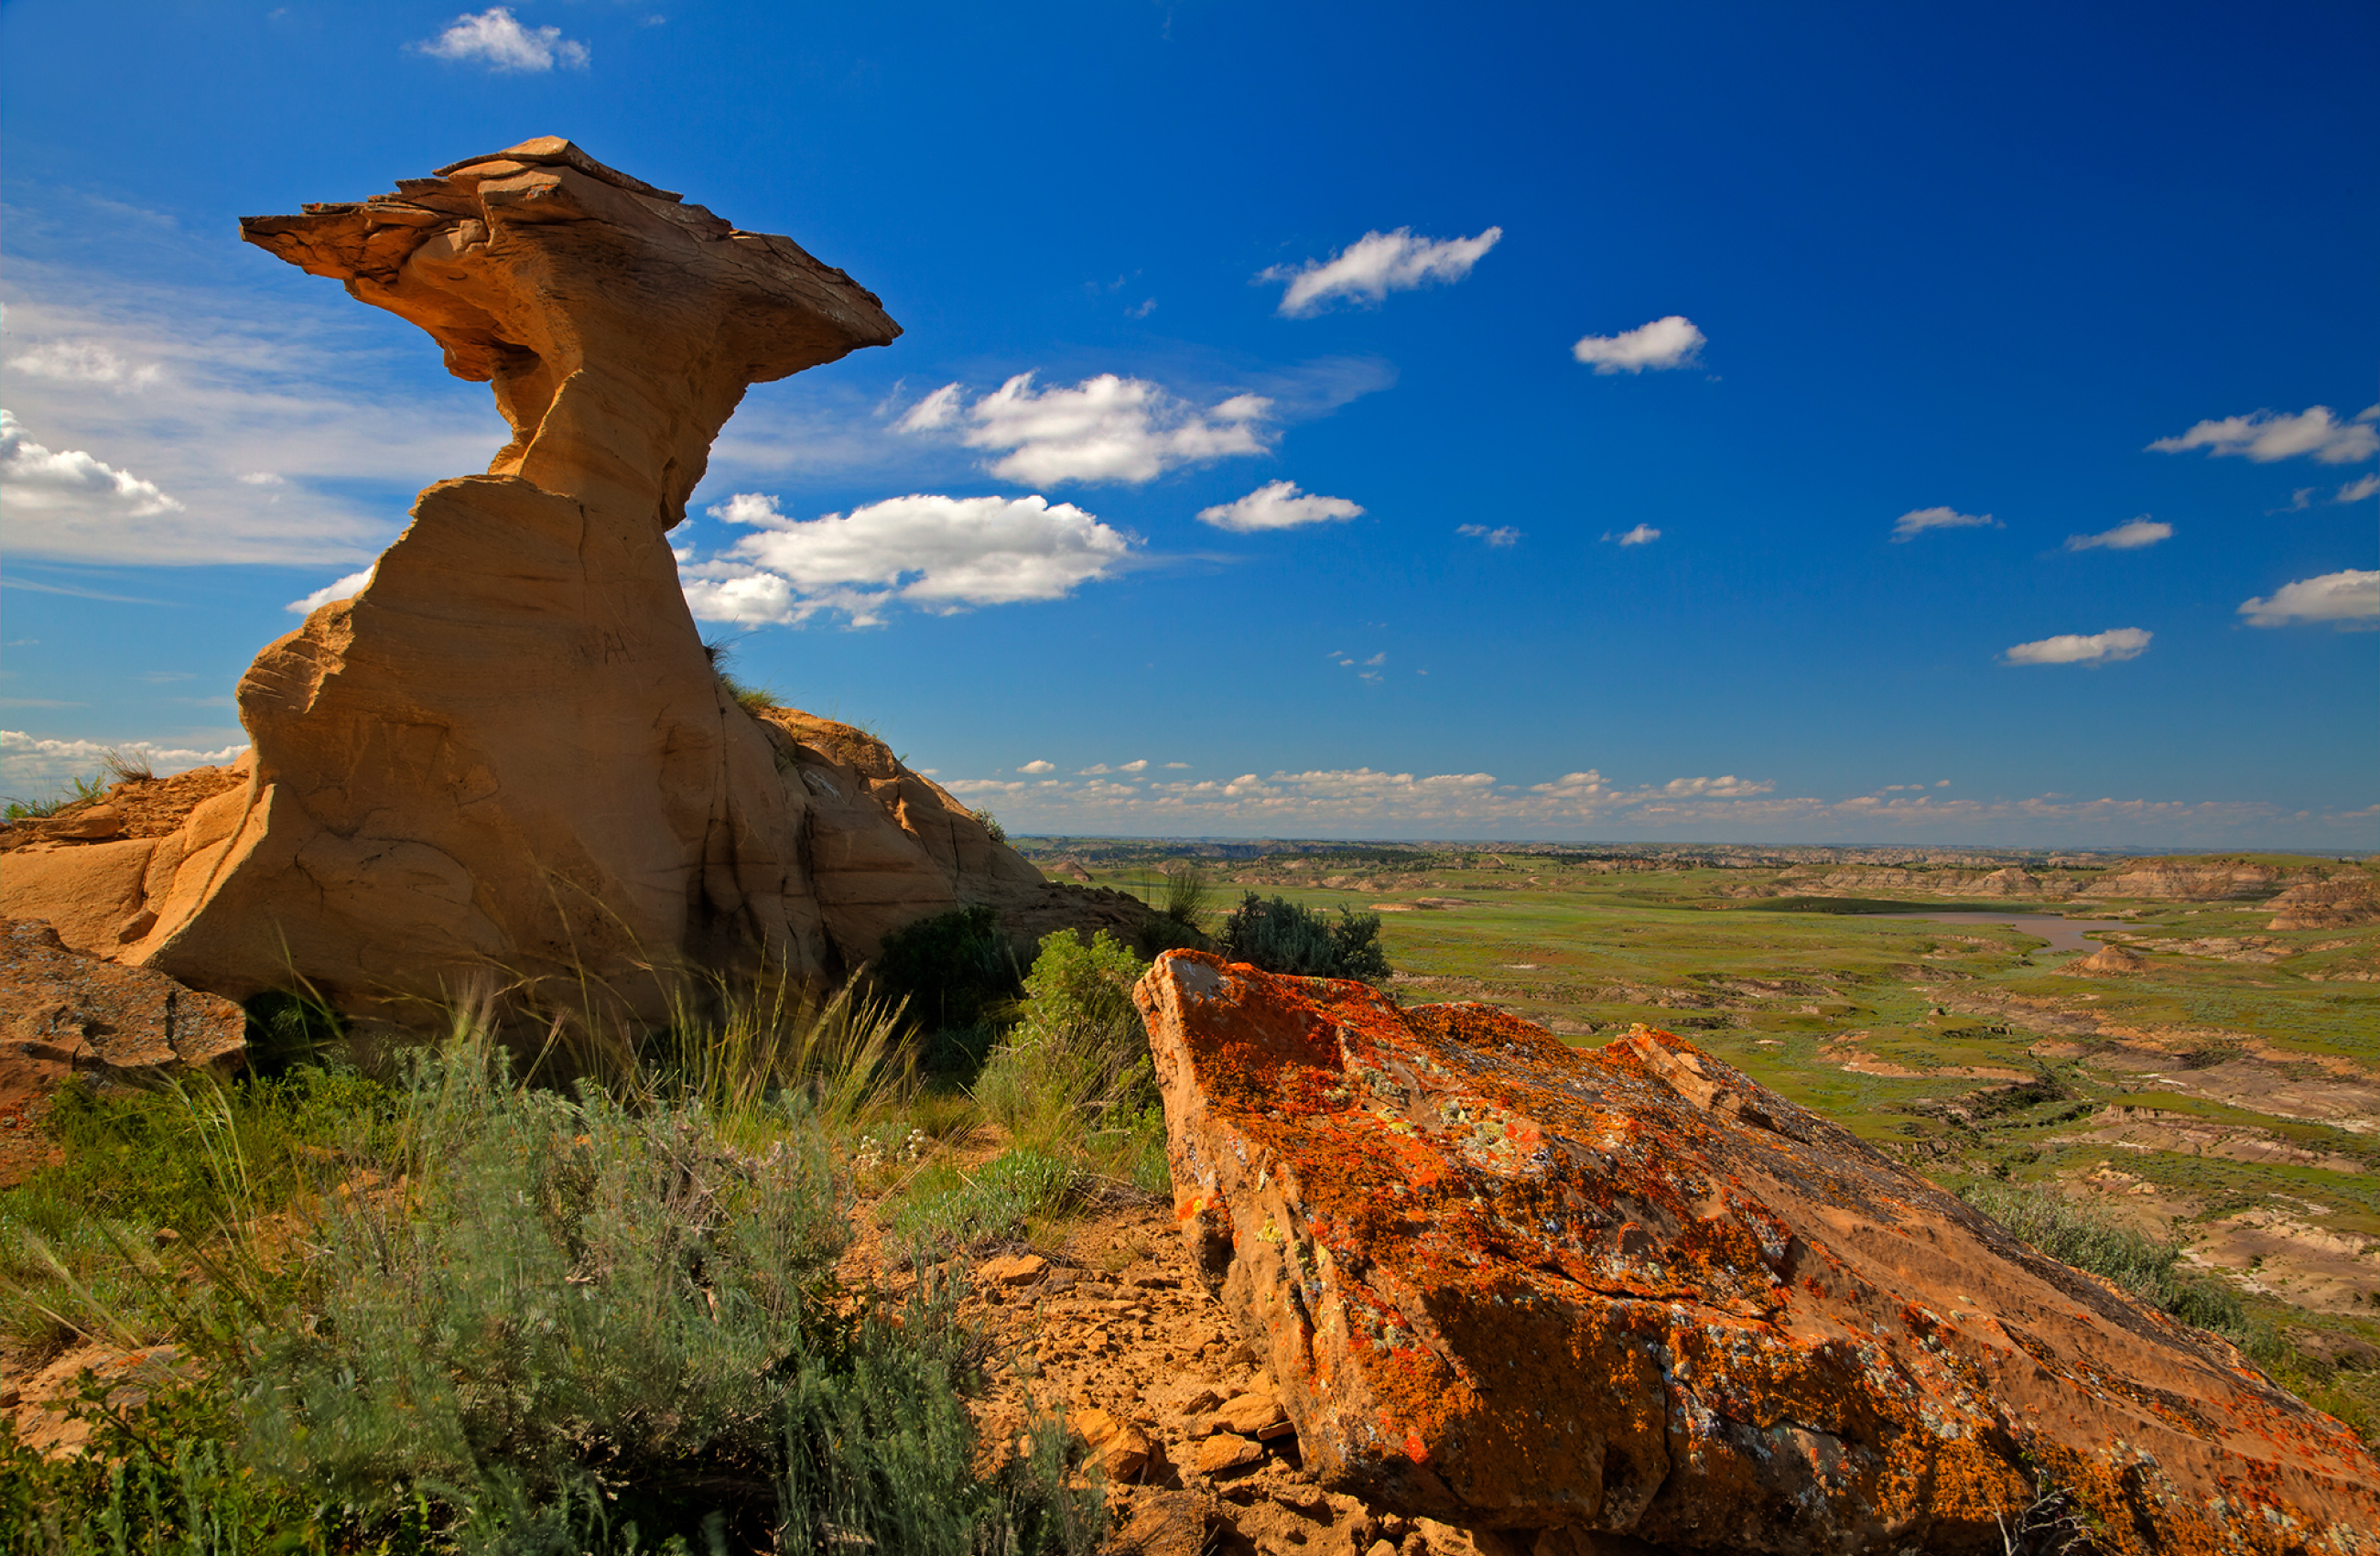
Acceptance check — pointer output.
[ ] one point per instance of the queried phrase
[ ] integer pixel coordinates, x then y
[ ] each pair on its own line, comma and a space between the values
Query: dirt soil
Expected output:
34, 1397
1109, 1328
150, 806
1112, 1329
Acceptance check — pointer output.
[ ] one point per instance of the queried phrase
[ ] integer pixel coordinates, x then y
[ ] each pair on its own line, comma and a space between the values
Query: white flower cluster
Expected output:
872, 1156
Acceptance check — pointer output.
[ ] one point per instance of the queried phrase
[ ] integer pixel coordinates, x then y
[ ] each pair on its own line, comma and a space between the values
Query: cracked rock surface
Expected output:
1549, 1294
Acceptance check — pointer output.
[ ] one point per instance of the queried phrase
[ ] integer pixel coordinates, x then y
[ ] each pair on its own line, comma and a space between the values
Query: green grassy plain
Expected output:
1960, 1046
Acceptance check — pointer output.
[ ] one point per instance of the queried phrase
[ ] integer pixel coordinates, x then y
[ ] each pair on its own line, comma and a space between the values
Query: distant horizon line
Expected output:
2127, 850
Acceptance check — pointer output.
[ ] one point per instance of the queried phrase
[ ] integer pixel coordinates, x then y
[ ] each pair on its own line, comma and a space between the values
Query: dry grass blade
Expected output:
843, 1055
128, 764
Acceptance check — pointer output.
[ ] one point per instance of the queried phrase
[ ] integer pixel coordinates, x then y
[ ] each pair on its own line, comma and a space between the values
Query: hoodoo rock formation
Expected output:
510, 754
1555, 1295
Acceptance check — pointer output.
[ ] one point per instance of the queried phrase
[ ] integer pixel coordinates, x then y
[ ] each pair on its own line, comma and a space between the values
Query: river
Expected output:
2063, 934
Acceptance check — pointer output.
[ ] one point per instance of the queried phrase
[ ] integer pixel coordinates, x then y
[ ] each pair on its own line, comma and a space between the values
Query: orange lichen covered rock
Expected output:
1627, 1291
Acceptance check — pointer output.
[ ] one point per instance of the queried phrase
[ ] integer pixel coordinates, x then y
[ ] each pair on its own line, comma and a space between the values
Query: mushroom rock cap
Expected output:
508, 764
619, 325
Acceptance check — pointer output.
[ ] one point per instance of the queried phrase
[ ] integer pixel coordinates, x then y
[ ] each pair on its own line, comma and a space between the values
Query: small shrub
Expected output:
1186, 891
753, 699
513, 1320
953, 968
956, 1055
126, 764
1075, 1066
582, 1327
990, 824
18, 808
290, 1028
1160, 935
161, 1478
1280, 936
747, 1047
1142, 1162
201, 1160
879, 1451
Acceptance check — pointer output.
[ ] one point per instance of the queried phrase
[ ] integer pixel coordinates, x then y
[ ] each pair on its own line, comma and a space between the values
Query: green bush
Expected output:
954, 1055
76, 792
521, 1321
1075, 1067
745, 1047
1280, 936
1186, 890
954, 968
288, 1027
1180, 922
159, 1478
1160, 935
563, 1286
879, 1449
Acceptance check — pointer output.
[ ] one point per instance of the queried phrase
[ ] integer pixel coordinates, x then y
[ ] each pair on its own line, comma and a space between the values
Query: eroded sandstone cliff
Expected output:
510, 757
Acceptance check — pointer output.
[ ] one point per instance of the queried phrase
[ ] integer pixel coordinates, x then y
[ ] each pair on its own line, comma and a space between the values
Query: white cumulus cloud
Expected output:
1365, 802
2266, 436
1376, 264
494, 39
2352, 596
2356, 491
44, 493
1672, 342
346, 588
933, 553
1037, 766
1502, 535
1643, 535
1103, 429
1728, 787
2130, 535
301, 385
1915, 522
1278, 506
2074, 648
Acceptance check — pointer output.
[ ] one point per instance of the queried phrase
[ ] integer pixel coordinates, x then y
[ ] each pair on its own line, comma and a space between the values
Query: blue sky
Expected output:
1726, 392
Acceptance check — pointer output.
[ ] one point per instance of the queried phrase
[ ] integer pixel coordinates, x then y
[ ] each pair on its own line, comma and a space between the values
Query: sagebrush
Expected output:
1280, 936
